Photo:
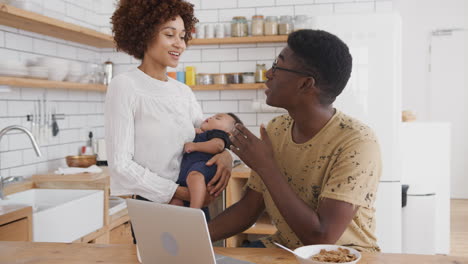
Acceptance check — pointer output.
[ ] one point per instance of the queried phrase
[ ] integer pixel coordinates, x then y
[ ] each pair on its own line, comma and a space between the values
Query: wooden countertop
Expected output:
74, 253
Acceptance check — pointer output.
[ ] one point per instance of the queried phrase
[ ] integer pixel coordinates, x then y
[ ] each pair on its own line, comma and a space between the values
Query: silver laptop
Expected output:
169, 234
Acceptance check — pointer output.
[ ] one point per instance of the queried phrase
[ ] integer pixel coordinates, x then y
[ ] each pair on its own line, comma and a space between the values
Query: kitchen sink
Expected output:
61, 215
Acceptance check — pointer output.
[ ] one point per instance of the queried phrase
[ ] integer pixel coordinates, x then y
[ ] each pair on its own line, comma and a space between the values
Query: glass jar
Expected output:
219, 78
271, 25
204, 79
257, 25
248, 77
285, 25
234, 78
260, 73
300, 22
239, 27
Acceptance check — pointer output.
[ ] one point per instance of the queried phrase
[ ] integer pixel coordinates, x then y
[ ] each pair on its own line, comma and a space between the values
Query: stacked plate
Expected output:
13, 68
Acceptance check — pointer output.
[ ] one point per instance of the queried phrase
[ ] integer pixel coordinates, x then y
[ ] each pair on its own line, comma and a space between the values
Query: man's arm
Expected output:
212, 146
237, 217
322, 227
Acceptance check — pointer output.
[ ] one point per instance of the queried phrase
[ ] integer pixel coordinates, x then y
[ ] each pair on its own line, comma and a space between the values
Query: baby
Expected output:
211, 138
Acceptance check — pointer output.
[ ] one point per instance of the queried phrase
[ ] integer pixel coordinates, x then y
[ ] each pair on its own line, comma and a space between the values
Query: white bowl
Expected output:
306, 252
39, 72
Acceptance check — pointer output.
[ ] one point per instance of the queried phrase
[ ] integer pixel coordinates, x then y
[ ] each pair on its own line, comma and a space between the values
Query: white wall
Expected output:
83, 110
420, 18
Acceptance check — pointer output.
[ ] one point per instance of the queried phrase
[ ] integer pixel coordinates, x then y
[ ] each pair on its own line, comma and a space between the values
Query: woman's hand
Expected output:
219, 182
254, 152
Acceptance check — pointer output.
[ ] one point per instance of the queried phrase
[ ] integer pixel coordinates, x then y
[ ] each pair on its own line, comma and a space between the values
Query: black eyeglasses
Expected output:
275, 67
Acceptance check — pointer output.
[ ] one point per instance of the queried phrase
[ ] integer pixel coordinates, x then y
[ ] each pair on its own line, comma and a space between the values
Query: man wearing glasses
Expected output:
315, 170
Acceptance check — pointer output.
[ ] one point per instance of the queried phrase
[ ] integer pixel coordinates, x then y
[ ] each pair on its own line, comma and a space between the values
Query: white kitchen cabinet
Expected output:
426, 169
388, 217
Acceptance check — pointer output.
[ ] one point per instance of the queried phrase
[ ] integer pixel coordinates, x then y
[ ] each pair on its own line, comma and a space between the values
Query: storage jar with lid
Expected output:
219, 78
204, 79
260, 73
234, 78
257, 25
300, 22
239, 27
248, 77
285, 25
271, 25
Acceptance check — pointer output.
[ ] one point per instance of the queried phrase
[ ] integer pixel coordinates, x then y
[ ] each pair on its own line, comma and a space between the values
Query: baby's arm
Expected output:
198, 130
212, 146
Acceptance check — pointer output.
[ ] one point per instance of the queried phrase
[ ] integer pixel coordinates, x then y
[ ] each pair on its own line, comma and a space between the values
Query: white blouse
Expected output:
147, 122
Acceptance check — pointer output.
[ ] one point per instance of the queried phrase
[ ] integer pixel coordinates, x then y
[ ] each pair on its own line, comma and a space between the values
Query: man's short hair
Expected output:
326, 57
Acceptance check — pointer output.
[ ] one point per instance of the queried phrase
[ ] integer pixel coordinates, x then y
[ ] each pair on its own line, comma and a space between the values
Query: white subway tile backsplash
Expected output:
248, 119
3, 108
238, 95
256, 3
5, 173
30, 156
367, 7
20, 108
44, 47
31, 93
246, 106
333, 1
226, 15
384, 6
276, 11
314, 10
69, 136
4, 142
191, 55
215, 4
264, 118
18, 141
55, 5
57, 152
11, 159
66, 51
2, 39
206, 67
238, 66
220, 106
219, 55
207, 95
255, 130
24, 171
68, 108
18, 42
256, 53
84, 110
207, 16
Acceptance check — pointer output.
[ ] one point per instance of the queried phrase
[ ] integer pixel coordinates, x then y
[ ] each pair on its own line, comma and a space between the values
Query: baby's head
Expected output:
221, 121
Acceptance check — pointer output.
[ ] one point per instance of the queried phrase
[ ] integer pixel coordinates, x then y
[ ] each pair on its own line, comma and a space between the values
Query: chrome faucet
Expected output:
33, 142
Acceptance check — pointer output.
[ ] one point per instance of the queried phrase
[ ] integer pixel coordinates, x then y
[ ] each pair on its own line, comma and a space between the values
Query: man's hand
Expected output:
254, 152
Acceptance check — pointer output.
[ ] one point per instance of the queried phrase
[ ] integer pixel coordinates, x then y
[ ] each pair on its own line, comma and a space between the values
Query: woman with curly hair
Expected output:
148, 115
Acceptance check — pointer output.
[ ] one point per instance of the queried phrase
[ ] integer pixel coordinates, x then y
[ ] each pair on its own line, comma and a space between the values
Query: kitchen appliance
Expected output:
100, 150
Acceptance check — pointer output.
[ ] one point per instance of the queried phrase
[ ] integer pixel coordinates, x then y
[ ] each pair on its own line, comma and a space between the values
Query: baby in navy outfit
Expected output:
211, 138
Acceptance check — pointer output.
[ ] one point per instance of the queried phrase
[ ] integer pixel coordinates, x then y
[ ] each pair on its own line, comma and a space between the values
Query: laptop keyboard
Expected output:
221, 259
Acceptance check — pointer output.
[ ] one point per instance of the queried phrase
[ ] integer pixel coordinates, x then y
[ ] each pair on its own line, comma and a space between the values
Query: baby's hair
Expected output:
236, 118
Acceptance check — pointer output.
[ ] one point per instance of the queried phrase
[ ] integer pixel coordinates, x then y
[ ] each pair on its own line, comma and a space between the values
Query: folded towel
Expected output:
74, 170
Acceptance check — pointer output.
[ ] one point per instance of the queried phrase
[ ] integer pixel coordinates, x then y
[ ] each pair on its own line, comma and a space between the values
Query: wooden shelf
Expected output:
30, 21
240, 40
240, 86
38, 83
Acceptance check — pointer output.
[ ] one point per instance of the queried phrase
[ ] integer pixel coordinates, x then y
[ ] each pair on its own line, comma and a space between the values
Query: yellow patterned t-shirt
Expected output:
341, 162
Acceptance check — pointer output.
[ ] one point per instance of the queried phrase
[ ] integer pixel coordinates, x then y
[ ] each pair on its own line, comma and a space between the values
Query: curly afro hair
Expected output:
135, 22
327, 57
